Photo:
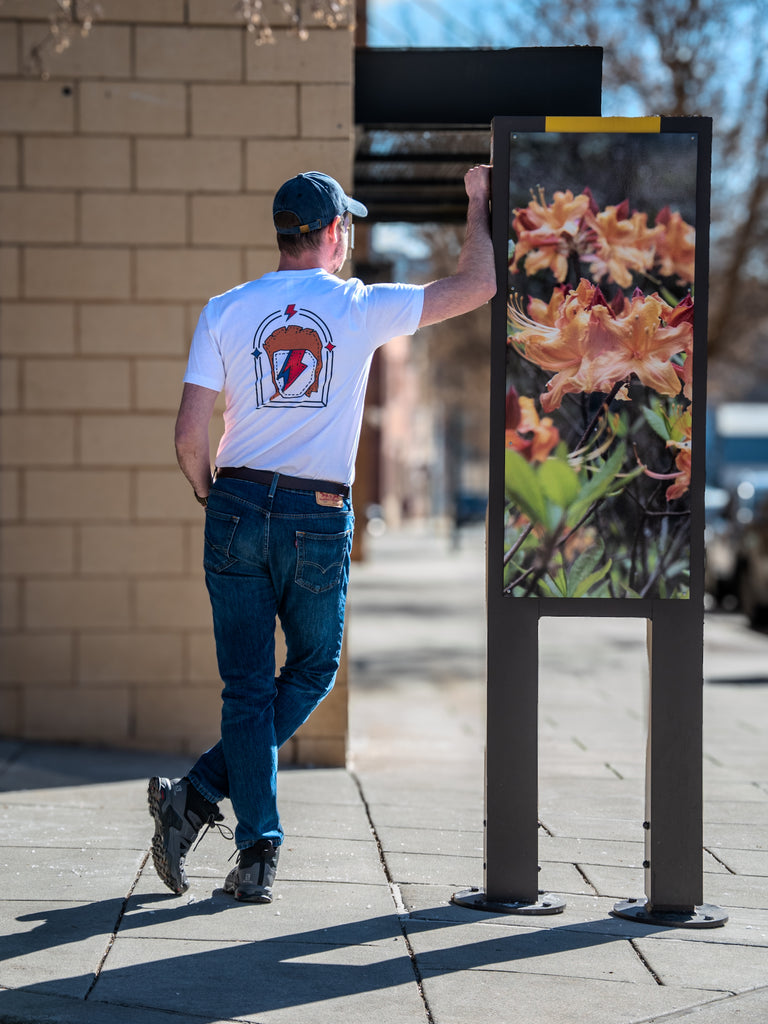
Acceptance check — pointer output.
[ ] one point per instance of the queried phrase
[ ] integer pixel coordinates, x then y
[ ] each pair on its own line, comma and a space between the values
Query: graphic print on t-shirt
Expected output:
293, 359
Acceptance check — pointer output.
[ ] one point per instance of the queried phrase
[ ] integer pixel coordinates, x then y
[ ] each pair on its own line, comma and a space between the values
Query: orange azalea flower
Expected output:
550, 234
560, 345
675, 246
683, 463
683, 313
641, 342
681, 441
593, 346
534, 438
623, 243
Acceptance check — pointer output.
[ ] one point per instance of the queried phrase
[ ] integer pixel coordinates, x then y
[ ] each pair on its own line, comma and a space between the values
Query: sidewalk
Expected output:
362, 929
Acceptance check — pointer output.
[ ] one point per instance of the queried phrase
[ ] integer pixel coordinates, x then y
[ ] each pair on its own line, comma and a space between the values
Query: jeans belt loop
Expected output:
273, 485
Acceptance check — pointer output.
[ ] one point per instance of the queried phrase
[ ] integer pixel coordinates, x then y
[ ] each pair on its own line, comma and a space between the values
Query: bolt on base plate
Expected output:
704, 916
476, 899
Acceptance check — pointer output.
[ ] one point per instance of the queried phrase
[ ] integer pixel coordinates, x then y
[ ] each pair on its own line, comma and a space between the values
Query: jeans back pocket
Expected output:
321, 558
219, 534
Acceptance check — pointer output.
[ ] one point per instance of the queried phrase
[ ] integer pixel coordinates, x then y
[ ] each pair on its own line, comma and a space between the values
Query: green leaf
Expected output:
658, 423
559, 482
597, 486
523, 488
595, 577
549, 587
587, 562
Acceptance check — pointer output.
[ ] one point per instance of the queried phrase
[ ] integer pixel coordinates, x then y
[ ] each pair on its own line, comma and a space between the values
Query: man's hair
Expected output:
295, 245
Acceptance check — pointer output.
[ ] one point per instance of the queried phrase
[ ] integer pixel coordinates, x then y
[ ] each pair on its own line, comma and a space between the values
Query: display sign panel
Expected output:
602, 304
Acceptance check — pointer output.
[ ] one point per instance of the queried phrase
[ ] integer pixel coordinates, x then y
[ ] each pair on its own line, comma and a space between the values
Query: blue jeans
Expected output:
269, 552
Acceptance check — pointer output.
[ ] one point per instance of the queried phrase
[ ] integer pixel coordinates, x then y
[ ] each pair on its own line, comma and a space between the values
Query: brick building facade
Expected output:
134, 183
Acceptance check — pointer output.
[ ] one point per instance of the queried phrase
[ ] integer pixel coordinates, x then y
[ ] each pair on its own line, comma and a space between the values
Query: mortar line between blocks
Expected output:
116, 929
397, 898
645, 963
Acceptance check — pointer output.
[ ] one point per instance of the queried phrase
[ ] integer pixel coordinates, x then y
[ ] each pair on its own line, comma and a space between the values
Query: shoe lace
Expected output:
214, 821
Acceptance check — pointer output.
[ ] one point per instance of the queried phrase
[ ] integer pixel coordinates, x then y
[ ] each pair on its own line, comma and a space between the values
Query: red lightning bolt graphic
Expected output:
292, 368
290, 311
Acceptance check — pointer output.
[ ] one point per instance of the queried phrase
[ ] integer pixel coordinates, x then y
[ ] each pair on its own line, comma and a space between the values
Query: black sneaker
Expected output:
178, 819
252, 879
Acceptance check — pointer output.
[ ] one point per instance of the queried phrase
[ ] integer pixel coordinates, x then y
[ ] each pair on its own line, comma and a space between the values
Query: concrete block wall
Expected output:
135, 182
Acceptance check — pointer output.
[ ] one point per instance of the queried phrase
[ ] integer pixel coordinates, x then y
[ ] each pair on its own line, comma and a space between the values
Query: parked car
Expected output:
734, 521
752, 564
720, 547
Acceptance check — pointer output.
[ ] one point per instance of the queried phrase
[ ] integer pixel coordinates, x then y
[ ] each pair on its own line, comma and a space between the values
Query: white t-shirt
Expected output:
292, 351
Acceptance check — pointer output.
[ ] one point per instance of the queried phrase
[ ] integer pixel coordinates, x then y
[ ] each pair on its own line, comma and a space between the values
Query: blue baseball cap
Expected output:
315, 199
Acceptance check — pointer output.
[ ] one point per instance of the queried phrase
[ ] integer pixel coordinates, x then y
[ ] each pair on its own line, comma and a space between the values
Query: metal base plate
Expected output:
476, 899
704, 916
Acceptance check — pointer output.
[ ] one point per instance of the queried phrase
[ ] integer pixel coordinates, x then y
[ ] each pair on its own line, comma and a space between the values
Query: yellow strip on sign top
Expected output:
603, 124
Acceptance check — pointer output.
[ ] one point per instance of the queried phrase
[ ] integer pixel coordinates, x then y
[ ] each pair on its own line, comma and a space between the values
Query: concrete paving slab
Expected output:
342, 860
454, 788
744, 862
365, 914
731, 789
734, 837
749, 1008
554, 951
66, 874
269, 982
581, 826
590, 851
744, 927
463, 872
62, 826
129, 795
498, 997
327, 821
39, 1007
563, 879
321, 786
617, 882
720, 888
436, 816
737, 812
428, 869
46, 941
432, 841
736, 891
712, 863
699, 965
301, 858
43, 766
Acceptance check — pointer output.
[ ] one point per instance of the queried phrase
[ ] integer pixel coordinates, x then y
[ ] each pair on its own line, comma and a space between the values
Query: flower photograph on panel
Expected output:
599, 365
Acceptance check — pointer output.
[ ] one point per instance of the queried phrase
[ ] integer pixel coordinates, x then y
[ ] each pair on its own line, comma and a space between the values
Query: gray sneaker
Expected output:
176, 826
251, 880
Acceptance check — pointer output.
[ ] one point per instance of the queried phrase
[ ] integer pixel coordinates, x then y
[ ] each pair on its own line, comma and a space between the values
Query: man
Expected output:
291, 351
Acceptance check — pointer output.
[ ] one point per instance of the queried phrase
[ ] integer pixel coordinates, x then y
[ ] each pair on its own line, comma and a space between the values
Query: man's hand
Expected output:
477, 181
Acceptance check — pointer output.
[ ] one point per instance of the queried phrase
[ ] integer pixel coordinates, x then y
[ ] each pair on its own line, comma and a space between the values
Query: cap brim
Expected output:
356, 208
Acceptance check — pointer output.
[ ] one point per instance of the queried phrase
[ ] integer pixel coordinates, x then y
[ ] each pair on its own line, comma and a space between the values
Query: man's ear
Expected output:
334, 230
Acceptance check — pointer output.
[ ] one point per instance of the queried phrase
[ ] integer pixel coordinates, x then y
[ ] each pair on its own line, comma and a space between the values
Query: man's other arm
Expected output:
474, 282
192, 444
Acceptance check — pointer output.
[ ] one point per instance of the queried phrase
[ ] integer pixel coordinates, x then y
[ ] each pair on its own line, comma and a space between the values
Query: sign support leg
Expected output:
674, 802
511, 771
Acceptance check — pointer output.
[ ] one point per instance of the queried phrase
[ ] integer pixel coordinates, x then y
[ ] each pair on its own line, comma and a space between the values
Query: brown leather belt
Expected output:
291, 483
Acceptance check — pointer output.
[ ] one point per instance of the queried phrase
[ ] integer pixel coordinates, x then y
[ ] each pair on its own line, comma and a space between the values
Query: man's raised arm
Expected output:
474, 282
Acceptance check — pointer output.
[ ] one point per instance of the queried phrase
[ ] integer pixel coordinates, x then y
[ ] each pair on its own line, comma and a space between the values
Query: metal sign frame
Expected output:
673, 825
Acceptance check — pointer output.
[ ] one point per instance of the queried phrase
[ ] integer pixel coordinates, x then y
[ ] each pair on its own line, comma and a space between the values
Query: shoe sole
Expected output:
159, 852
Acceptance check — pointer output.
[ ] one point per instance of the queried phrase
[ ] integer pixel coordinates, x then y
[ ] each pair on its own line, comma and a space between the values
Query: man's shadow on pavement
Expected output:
225, 978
